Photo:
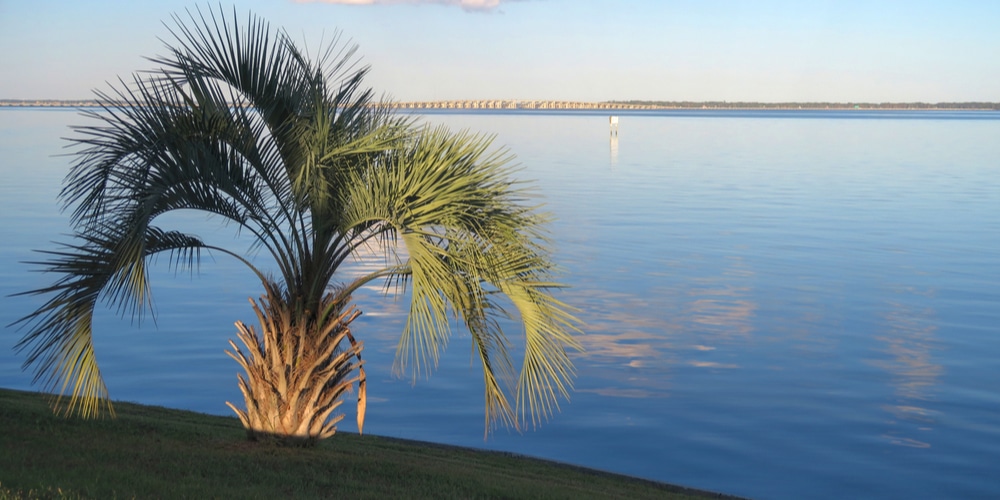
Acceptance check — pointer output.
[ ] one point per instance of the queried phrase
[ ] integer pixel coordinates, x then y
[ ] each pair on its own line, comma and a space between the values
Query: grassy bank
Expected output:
158, 452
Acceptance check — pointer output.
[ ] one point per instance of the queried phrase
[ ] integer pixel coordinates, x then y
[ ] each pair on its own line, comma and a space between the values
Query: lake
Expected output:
777, 304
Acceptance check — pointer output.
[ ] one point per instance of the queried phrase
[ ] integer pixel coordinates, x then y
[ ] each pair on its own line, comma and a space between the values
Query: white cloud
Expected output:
469, 5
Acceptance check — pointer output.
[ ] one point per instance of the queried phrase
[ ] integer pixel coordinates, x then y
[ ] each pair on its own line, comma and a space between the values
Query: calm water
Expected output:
777, 304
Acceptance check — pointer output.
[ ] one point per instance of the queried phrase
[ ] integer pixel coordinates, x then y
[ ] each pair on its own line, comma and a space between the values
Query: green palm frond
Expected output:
106, 265
471, 245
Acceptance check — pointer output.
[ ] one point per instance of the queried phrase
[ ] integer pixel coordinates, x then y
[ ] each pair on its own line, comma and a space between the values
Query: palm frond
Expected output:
472, 244
106, 265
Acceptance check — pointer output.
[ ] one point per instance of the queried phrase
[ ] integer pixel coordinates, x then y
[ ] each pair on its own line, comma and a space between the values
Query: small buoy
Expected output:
613, 120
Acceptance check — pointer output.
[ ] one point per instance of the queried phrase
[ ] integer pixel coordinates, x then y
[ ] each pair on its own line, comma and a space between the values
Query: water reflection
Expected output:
614, 150
909, 341
634, 341
720, 307
724, 309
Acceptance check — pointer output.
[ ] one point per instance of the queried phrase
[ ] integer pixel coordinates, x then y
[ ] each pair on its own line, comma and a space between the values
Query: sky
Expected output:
575, 50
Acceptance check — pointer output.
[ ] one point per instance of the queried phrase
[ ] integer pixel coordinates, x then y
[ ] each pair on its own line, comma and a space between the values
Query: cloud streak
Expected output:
468, 5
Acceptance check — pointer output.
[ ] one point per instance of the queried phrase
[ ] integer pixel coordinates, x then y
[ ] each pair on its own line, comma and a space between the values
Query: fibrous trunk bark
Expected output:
297, 371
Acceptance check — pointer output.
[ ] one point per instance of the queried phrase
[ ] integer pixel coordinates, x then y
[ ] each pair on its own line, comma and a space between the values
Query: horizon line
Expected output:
551, 104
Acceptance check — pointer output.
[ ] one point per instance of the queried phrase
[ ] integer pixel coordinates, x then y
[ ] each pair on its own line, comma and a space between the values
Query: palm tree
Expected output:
294, 151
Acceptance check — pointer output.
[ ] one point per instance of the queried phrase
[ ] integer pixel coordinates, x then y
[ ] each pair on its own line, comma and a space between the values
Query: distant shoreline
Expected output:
518, 104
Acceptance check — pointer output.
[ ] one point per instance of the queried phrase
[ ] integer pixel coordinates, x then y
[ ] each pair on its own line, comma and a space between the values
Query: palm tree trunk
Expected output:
296, 370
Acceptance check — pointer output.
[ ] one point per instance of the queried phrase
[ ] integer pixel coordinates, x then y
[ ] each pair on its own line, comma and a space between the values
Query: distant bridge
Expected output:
519, 104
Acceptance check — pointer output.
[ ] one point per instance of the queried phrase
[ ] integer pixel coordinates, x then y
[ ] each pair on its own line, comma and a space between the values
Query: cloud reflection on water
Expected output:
635, 340
909, 338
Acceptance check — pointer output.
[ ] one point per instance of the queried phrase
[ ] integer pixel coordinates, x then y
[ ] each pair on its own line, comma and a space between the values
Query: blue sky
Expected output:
589, 50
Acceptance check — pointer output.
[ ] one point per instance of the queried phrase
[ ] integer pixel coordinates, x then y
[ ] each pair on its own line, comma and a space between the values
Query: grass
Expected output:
164, 453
